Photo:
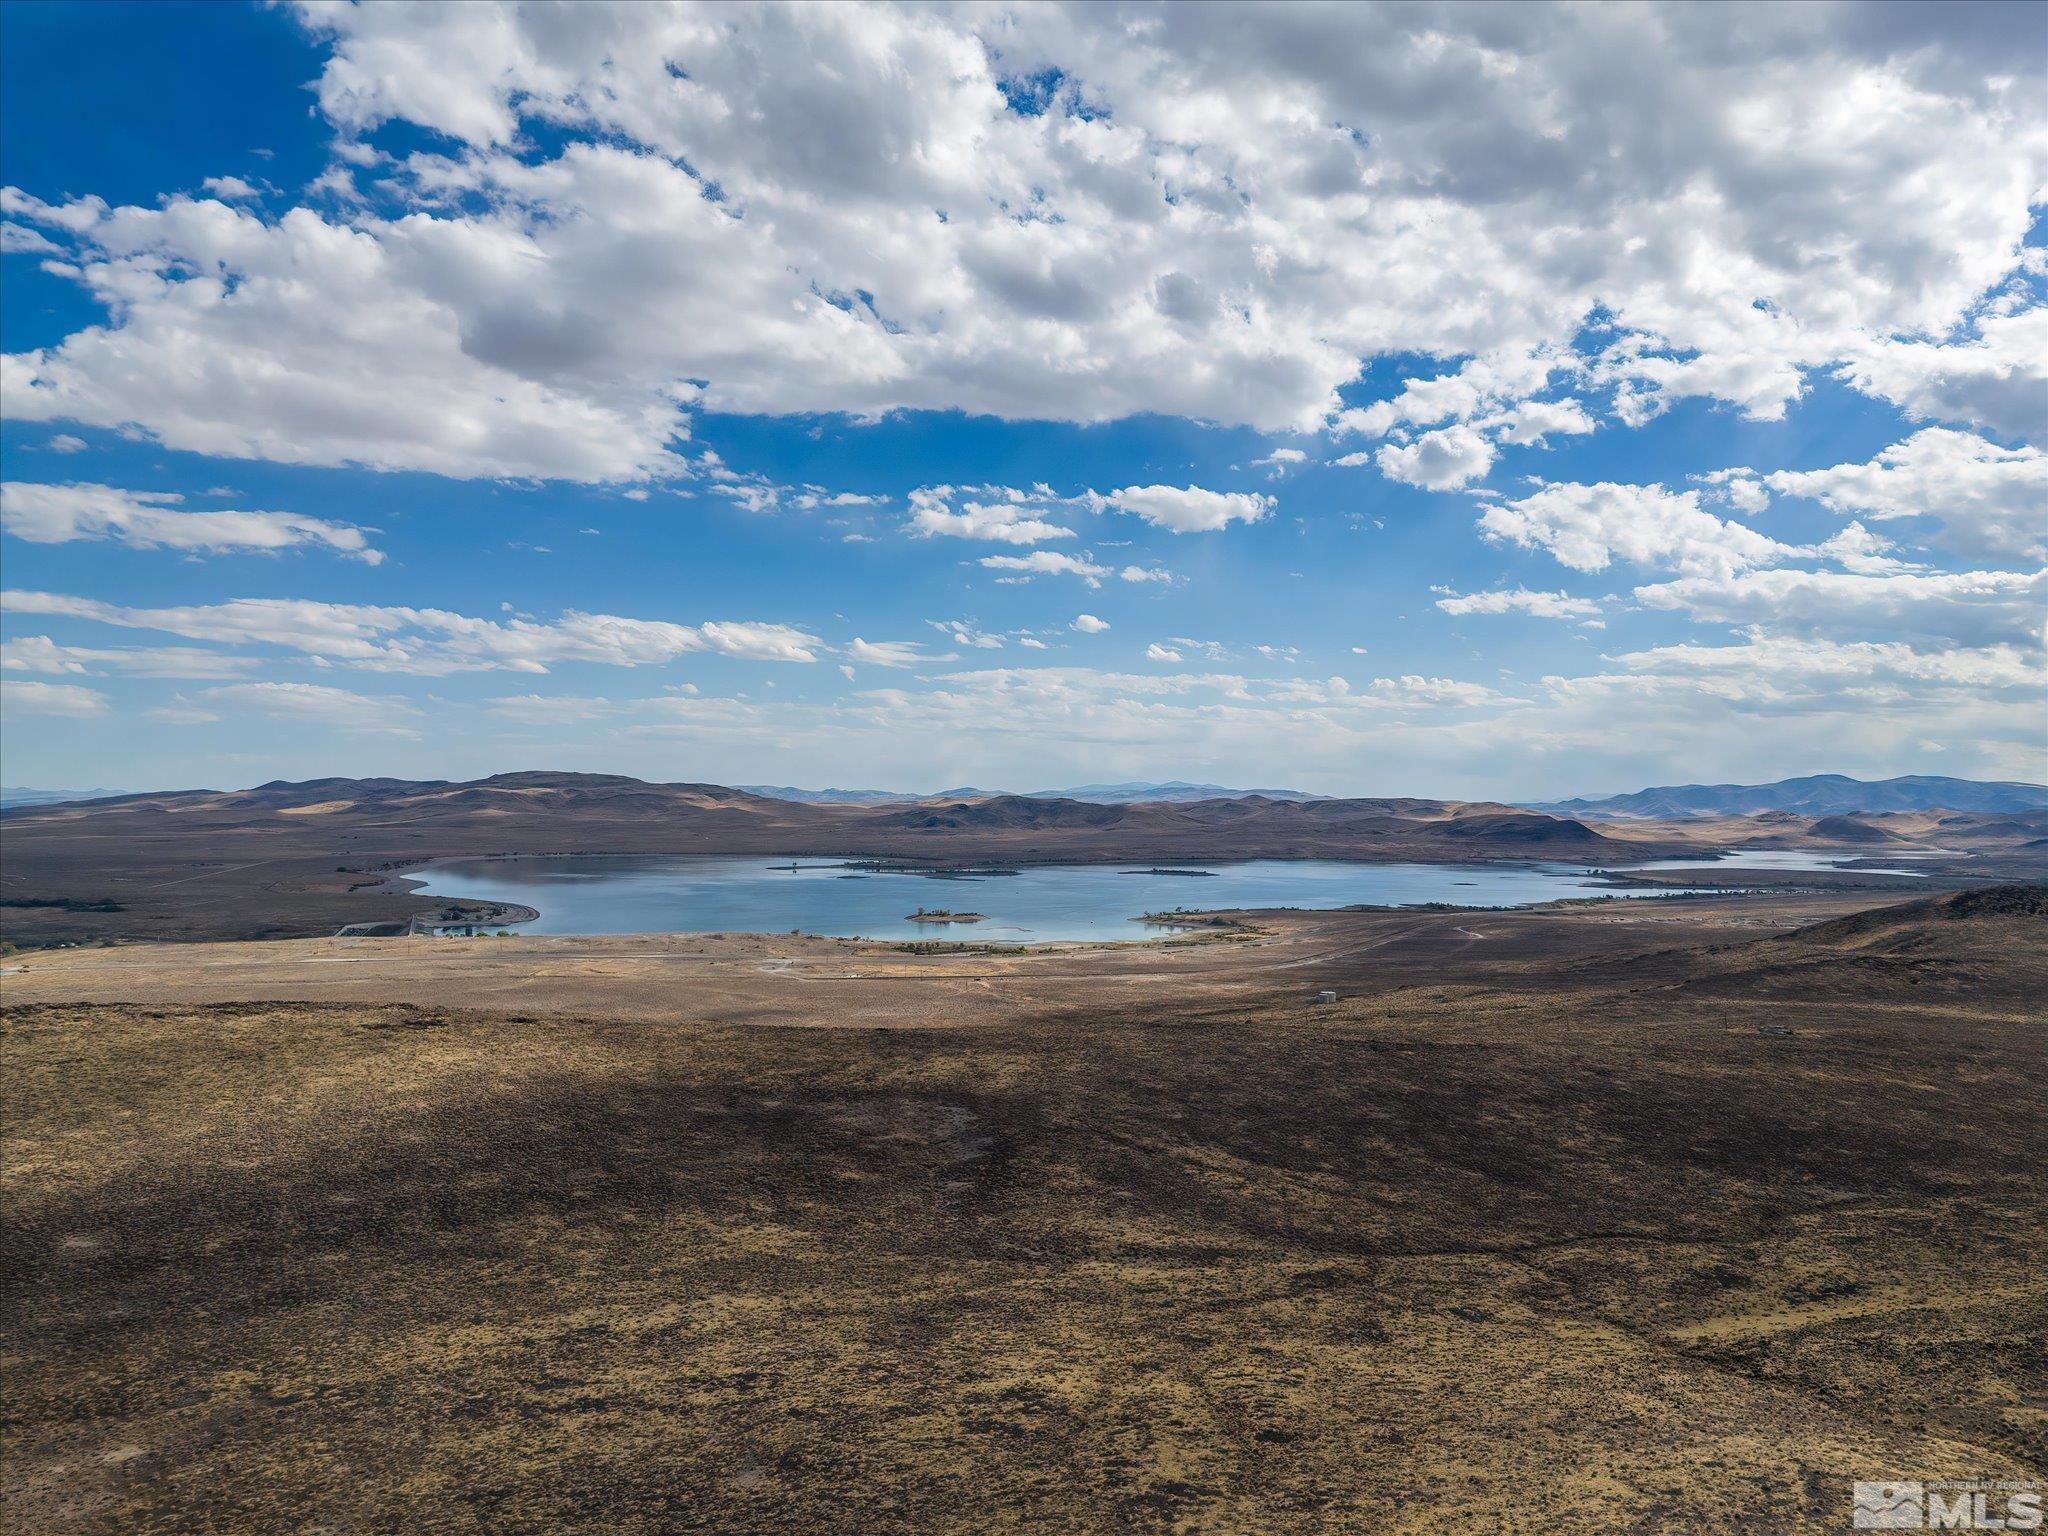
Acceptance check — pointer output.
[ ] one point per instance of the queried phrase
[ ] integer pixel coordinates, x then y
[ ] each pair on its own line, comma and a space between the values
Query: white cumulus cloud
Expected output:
1542, 605
1003, 517
1587, 527
1189, 508
60, 514
70, 700
1048, 562
1212, 215
1443, 460
1996, 378
1987, 500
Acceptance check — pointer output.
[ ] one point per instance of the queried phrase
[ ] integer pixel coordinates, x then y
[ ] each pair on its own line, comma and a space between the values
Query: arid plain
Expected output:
1664, 1216
1023, 767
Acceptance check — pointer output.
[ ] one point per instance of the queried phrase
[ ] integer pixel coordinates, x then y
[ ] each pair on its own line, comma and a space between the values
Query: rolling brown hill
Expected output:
1986, 916
1851, 829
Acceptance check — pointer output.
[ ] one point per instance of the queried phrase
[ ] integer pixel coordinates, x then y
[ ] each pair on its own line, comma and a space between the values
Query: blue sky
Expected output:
879, 397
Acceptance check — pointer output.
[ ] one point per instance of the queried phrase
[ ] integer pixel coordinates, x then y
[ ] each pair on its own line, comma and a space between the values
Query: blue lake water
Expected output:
760, 894
1782, 859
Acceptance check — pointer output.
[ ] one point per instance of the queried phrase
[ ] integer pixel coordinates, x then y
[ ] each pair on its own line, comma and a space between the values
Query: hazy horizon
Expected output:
913, 791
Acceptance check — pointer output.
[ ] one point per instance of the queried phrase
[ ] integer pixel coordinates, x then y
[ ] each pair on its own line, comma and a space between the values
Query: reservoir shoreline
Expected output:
1054, 900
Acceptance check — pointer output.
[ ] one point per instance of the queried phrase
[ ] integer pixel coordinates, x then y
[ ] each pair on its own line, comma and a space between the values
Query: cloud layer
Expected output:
1072, 212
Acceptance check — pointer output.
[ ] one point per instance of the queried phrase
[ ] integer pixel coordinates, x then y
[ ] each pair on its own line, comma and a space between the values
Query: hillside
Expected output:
1825, 794
1917, 923
1851, 829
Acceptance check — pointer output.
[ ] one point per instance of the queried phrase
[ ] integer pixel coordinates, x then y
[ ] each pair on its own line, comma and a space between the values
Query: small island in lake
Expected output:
941, 915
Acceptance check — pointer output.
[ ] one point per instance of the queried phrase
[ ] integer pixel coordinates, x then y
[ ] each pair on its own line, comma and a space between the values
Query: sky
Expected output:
1480, 401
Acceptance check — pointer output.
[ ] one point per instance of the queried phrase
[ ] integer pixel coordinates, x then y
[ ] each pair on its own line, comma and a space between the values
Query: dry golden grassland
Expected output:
1536, 1229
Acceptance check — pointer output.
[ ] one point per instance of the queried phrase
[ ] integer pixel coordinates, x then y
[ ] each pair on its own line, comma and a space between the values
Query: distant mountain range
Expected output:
20, 795
1136, 792
1173, 790
1821, 794
836, 796
1133, 793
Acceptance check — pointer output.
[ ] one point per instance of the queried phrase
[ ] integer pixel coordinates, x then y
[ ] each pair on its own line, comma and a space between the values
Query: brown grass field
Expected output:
1672, 1218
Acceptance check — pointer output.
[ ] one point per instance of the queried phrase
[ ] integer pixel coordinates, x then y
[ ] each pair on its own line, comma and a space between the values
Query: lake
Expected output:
760, 894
